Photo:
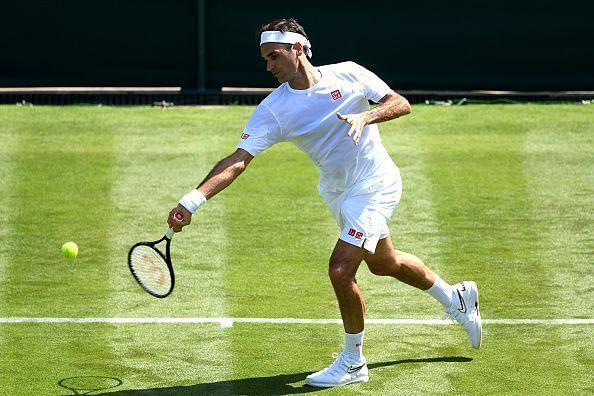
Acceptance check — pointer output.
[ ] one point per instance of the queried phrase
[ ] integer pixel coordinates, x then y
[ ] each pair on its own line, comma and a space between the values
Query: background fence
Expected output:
201, 45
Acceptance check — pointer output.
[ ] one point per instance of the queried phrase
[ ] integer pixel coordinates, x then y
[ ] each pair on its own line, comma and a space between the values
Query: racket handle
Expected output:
177, 216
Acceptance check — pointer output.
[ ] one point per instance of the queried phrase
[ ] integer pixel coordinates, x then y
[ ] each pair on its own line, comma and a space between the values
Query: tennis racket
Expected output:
152, 268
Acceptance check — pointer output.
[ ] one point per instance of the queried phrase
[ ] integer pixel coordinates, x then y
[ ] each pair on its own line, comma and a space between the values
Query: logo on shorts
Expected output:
354, 233
244, 136
336, 95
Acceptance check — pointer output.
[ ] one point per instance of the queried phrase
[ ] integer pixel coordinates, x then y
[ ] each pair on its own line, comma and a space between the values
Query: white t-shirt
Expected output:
308, 118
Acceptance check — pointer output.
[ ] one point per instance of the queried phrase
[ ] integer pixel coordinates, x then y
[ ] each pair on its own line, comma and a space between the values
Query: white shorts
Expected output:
363, 211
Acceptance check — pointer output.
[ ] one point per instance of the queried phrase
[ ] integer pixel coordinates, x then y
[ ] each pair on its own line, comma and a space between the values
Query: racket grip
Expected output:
169, 233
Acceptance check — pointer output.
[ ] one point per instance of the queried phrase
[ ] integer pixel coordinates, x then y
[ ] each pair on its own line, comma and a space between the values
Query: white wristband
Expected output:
193, 200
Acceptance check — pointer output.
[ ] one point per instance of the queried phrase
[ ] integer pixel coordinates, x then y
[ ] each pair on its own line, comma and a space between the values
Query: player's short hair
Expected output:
282, 25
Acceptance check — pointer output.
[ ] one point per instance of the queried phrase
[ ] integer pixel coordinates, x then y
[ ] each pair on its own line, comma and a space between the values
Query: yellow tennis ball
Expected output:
69, 250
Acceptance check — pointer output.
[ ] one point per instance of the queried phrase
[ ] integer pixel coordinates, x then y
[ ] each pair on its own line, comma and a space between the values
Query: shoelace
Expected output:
335, 356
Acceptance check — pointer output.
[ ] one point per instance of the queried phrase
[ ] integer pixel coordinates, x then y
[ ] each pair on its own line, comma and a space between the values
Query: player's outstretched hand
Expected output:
357, 122
179, 217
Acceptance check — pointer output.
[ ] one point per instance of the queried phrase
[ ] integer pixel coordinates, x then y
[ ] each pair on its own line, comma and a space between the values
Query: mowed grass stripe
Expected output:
283, 236
62, 173
8, 136
480, 191
62, 164
479, 194
559, 157
161, 155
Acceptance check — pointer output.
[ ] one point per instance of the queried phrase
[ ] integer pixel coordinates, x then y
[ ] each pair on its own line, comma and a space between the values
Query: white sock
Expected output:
441, 291
353, 346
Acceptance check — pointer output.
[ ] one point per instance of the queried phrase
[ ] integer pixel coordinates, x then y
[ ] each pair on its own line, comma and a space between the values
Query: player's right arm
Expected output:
262, 131
224, 173
219, 178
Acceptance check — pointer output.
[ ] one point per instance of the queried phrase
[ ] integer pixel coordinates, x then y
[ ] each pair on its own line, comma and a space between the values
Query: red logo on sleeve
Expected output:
244, 136
336, 95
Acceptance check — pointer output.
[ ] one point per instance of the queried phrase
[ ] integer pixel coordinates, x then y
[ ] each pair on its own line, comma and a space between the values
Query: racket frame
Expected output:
166, 257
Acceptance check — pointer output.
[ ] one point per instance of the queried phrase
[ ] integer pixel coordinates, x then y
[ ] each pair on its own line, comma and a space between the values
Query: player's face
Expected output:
280, 61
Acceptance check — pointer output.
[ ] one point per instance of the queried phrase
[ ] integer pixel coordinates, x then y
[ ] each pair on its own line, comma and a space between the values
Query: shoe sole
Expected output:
333, 385
474, 287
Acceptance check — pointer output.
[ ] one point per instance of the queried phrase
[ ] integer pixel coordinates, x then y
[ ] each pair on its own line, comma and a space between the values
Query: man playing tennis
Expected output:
325, 111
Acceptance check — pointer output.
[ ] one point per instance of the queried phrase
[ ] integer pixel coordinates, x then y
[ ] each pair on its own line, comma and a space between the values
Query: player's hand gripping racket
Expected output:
152, 268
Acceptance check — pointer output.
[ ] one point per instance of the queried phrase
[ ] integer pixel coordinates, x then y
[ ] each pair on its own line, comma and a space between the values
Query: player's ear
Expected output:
299, 48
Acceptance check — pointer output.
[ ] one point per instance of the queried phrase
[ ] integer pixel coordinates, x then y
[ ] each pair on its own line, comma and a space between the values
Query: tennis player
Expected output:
325, 111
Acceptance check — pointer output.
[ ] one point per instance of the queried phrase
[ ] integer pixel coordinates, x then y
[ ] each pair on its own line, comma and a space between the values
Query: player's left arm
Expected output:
391, 106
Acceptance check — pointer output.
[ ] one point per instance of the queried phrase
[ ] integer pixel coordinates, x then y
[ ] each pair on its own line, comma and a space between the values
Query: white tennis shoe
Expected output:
465, 310
341, 372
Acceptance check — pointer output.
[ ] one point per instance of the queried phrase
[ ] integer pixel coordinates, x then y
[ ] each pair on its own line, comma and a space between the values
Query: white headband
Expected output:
286, 38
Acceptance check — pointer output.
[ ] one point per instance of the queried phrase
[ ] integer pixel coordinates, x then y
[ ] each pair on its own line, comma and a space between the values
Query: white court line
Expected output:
228, 322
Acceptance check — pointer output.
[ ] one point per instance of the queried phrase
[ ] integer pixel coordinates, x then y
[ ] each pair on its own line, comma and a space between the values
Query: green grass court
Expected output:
499, 194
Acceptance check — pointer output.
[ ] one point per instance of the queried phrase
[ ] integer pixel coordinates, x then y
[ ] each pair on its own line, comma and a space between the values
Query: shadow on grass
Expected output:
285, 384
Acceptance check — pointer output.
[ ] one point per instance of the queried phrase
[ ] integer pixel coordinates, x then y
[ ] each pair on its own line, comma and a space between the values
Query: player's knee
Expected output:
339, 274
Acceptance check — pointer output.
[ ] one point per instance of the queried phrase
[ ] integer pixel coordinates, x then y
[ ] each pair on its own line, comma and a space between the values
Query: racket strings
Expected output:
150, 269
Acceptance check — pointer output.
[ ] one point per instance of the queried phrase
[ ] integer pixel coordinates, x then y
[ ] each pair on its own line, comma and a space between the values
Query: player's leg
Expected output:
460, 301
350, 366
342, 270
406, 267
